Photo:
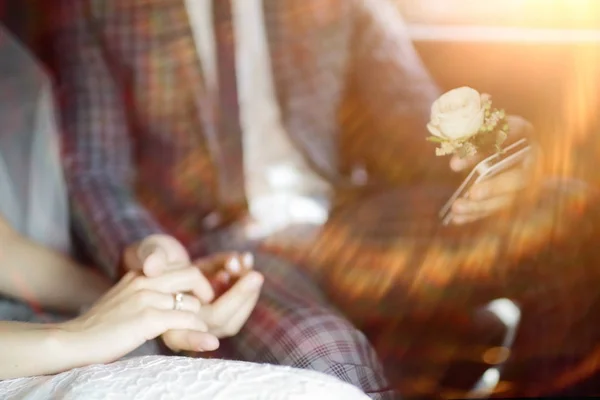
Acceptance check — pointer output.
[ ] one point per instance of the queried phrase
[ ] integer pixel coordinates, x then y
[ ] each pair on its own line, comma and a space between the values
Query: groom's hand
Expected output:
229, 274
497, 193
156, 255
237, 289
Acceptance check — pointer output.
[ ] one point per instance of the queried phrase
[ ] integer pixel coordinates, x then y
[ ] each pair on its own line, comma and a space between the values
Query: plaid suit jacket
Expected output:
136, 157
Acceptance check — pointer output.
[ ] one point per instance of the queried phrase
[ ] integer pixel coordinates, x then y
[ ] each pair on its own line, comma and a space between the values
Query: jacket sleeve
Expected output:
98, 143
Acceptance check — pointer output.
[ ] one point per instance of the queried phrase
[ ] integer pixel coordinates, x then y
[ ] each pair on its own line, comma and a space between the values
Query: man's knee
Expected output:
325, 342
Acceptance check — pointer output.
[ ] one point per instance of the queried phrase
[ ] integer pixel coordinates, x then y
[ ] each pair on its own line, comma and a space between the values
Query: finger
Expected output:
213, 263
247, 260
127, 279
120, 290
166, 301
467, 210
162, 268
467, 219
154, 264
225, 307
155, 322
157, 253
237, 321
519, 127
234, 263
220, 282
240, 264
508, 182
188, 279
188, 340
459, 164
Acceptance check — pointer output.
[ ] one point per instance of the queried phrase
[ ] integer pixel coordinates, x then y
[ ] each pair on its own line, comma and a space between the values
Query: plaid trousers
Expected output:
294, 325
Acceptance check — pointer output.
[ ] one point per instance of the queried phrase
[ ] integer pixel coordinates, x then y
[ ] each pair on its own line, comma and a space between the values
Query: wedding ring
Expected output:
177, 301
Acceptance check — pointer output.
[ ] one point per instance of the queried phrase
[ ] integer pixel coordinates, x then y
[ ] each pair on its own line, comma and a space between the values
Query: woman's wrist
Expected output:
38, 349
70, 338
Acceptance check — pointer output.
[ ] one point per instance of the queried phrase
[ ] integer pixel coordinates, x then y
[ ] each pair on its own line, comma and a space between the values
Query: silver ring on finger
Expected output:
177, 301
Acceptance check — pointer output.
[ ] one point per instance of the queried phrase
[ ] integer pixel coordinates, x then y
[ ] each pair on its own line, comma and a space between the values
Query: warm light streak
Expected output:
570, 14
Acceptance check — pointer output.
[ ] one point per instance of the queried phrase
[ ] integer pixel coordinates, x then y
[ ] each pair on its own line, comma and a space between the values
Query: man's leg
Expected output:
294, 325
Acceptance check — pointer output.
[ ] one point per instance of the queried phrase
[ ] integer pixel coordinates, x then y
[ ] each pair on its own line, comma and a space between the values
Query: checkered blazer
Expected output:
135, 146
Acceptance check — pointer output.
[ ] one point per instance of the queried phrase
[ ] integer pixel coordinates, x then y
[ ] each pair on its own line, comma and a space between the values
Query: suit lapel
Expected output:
172, 97
155, 42
308, 43
219, 112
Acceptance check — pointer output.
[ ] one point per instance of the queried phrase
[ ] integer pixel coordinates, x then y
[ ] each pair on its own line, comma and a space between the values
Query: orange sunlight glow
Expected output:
570, 14
580, 107
581, 100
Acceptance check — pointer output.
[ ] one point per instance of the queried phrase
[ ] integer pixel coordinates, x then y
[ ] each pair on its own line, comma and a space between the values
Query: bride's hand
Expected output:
497, 193
227, 274
237, 289
135, 310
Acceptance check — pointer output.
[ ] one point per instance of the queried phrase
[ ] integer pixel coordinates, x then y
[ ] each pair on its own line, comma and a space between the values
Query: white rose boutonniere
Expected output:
464, 123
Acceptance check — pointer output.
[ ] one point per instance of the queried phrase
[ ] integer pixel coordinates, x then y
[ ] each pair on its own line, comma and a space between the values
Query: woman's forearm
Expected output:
40, 276
35, 349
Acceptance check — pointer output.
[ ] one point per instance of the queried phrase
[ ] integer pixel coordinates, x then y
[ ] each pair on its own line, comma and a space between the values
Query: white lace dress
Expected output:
182, 378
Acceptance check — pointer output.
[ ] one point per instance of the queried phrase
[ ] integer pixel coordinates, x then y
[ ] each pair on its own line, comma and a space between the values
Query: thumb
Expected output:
459, 164
159, 253
155, 263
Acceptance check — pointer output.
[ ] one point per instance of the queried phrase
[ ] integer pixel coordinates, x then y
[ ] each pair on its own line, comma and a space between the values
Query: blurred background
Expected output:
538, 58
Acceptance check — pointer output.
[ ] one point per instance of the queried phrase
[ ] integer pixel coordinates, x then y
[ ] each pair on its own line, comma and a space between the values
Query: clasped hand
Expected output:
223, 313
219, 294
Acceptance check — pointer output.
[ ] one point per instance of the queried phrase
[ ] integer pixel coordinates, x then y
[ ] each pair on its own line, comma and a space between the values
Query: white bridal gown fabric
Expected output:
182, 378
33, 200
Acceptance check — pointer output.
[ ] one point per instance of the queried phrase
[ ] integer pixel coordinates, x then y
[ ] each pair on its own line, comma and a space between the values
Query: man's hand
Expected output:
223, 270
158, 254
237, 288
497, 193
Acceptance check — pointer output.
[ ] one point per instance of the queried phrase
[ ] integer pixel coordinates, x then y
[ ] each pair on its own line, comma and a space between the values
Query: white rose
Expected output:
457, 115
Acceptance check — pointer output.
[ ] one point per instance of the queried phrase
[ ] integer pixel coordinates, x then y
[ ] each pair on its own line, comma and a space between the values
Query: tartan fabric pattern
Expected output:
130, 177
352, 92
140, 64
294, 325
